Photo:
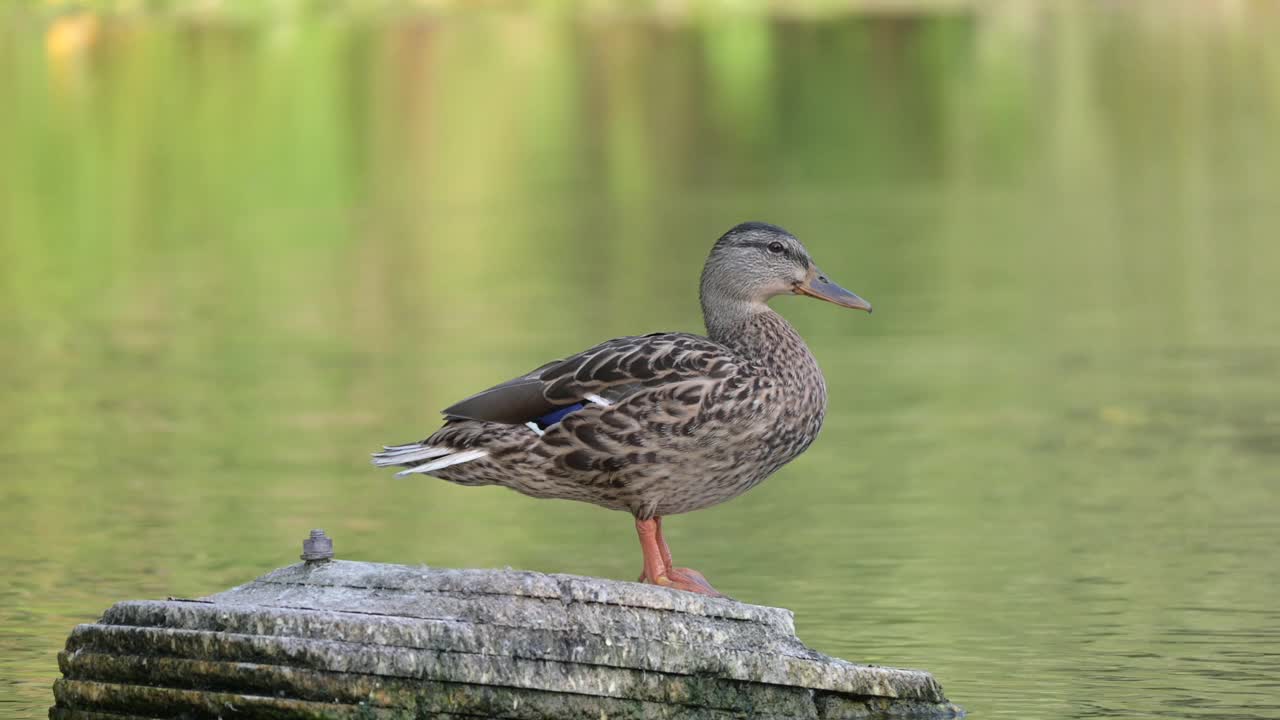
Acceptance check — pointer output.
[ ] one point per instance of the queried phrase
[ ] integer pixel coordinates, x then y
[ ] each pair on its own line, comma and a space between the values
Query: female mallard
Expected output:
657, 424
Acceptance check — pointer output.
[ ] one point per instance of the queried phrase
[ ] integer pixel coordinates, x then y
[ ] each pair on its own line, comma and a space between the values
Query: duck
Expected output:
659, 424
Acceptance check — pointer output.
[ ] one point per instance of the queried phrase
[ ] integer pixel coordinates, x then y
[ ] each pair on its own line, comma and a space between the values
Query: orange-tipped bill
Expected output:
817, 285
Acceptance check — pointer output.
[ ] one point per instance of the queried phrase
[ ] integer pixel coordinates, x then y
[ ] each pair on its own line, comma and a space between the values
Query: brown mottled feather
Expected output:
692, 421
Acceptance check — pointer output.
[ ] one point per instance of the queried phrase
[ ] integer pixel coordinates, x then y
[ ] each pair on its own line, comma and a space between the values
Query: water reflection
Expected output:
235, 253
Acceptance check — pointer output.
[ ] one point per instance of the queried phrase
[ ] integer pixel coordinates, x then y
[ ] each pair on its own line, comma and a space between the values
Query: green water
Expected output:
240, 251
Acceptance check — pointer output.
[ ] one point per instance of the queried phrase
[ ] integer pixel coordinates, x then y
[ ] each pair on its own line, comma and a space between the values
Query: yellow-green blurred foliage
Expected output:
243, 244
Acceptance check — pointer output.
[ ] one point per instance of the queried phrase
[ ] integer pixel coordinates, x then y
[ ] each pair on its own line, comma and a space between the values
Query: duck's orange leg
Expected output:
658, 568
664, 552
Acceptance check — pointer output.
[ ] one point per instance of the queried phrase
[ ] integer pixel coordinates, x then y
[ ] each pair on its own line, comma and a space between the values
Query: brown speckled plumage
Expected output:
690, 421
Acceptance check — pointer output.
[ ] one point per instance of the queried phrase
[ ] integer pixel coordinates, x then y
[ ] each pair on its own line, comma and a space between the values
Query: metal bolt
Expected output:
318, 547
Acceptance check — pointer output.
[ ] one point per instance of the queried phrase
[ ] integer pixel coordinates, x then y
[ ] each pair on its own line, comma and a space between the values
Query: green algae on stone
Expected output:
361, 640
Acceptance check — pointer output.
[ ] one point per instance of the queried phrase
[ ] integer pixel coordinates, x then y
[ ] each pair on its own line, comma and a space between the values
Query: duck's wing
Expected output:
607, 372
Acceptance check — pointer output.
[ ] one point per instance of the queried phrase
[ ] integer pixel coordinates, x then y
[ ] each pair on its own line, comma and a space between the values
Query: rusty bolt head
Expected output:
318, 547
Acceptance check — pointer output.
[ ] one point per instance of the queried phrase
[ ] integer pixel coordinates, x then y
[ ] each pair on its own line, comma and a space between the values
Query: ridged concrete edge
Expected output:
349, 639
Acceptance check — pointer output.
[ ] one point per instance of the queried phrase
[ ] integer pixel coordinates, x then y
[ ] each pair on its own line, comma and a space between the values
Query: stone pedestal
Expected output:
341, 639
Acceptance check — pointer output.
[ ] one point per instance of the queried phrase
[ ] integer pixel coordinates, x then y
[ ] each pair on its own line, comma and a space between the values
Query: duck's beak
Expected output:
819, 286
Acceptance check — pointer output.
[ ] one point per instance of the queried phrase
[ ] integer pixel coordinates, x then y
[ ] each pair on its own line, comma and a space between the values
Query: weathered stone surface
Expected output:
349, 639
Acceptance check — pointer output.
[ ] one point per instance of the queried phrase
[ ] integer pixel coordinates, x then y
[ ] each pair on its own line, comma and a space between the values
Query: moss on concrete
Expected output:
361, 640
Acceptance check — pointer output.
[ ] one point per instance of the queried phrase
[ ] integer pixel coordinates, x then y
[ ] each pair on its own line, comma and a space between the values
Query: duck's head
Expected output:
756, 261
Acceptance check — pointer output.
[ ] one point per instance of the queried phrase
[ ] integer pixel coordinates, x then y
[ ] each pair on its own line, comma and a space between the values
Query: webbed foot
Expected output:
658, 568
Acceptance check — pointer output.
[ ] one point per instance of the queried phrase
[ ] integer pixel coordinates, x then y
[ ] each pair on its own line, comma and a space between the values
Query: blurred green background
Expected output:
243, 245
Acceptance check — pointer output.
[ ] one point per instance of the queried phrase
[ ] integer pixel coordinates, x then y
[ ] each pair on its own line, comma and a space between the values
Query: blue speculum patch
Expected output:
557, 415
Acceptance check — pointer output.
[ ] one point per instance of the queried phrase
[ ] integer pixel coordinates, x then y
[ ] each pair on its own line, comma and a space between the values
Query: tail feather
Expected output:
405, 454
453, 458
411, 454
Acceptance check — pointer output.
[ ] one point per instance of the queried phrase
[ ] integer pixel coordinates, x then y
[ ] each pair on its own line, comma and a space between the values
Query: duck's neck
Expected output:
755, 331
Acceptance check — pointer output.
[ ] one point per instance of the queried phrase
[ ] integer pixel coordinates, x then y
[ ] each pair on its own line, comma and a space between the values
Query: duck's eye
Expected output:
775, 247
